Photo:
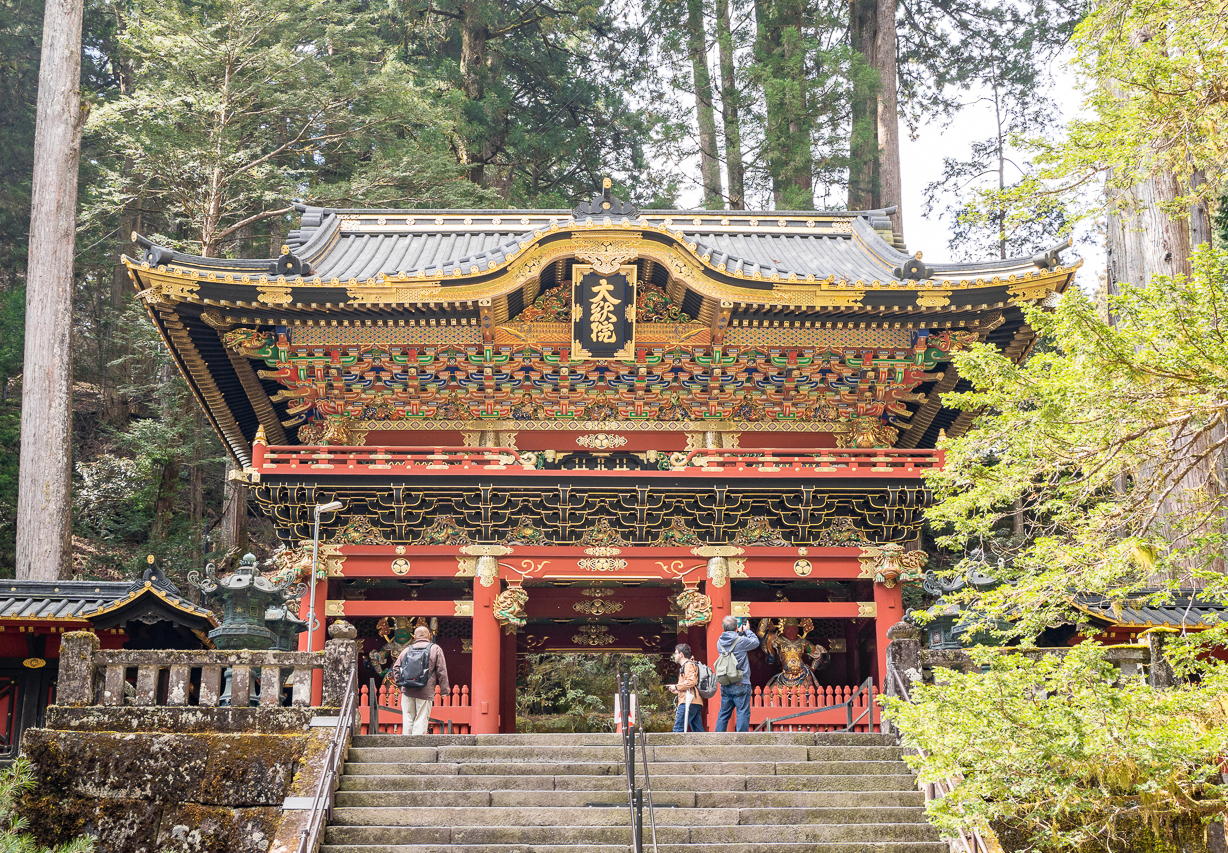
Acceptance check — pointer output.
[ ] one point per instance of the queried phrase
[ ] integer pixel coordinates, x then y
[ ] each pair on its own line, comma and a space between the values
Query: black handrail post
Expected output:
637, 800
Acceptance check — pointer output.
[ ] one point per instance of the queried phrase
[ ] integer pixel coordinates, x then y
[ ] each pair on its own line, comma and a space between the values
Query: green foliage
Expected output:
1098, 441
15, 780
1154, 105
232, 109
577, 690
1061, 754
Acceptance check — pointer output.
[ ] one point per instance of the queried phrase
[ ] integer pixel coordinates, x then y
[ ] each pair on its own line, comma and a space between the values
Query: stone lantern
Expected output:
285, 625
246, 598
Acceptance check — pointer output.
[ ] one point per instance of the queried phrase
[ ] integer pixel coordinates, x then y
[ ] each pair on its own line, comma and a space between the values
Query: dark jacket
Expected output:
437, 672
739, 644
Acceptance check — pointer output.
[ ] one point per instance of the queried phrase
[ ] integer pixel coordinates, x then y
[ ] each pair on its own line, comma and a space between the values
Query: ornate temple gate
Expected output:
735, 408
523, 599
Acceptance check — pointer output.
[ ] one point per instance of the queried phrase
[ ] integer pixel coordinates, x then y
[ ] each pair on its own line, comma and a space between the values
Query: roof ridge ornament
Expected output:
913, 270
605, 204
1051, 259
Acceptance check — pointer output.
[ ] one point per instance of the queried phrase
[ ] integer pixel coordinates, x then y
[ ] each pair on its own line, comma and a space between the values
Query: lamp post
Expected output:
331, 506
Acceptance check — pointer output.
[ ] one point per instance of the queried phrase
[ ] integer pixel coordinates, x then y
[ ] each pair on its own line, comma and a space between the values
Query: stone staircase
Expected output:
734, 793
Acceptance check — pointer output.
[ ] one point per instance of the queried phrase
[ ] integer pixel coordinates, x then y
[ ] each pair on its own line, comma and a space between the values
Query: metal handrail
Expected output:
652, 809
972, 841
635, 795
866, 687
322, 800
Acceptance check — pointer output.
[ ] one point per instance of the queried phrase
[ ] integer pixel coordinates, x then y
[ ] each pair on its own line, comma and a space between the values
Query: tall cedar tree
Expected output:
44, 502
544, 92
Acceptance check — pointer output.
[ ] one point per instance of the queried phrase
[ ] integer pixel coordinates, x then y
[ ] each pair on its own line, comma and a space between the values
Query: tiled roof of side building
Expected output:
56, 600
1181, 607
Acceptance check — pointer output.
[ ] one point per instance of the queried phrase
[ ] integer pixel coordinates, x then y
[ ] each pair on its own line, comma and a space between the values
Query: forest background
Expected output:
206, 118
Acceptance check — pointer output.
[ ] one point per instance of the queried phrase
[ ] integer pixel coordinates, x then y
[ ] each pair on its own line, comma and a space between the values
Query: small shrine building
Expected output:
599, 429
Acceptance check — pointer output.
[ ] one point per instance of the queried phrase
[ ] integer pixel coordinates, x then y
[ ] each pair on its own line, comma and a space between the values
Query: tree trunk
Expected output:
874, 170
780, 49
705, 116
474, 35
731, 107
1143, 240
44, 502
232, 528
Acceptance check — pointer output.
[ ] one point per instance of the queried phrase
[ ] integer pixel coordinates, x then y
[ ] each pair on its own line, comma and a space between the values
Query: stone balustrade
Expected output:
219, 685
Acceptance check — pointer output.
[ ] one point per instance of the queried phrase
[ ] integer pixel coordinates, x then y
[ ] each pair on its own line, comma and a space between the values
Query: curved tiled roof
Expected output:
365, 245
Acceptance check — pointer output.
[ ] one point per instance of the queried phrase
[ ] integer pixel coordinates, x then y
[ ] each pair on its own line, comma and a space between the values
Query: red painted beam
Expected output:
397, 608
812, 609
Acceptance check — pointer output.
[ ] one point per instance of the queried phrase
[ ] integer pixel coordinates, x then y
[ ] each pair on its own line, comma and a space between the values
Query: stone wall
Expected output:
179, 779
159, 792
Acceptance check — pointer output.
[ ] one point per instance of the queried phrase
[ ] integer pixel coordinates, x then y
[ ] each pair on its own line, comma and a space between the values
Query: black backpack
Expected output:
415, 668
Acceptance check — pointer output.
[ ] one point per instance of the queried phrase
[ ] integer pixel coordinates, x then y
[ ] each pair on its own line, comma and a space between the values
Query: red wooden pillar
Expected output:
487, 646
507, 684
722, 605
318, 635
888, 609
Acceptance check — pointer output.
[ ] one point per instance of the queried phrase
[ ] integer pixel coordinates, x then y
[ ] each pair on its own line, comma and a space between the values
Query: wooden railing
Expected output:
383, 461
451, 713
821, 709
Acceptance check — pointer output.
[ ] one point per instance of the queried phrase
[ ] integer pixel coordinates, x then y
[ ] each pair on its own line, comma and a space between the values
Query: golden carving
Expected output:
332, 562
400, 567
934, 298
597, 607
694, 608
603, 551
334, 607
606, 255
717, 551
273, 294
485, 550
739, 608
487, 570
466, 567
891, 564
601, 441
867, 608
466, 646
462, 608
802, 568
737, 567
509, 608
602, 564
593, 635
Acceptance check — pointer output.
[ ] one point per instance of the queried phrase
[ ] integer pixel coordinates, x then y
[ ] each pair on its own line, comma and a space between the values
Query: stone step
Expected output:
772, 847
864, 835
655, 768
561, 752
614, 815
361, 781
611, 739
483, 798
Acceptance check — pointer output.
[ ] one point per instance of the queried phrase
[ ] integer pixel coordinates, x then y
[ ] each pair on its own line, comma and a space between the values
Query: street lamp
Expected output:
331, 506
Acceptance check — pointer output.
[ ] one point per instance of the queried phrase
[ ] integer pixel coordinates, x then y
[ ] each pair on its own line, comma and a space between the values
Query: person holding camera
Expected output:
733, 673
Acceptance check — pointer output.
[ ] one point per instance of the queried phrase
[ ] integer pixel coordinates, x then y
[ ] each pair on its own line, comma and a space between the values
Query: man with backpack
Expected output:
419, 668
689, 715
733, 673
